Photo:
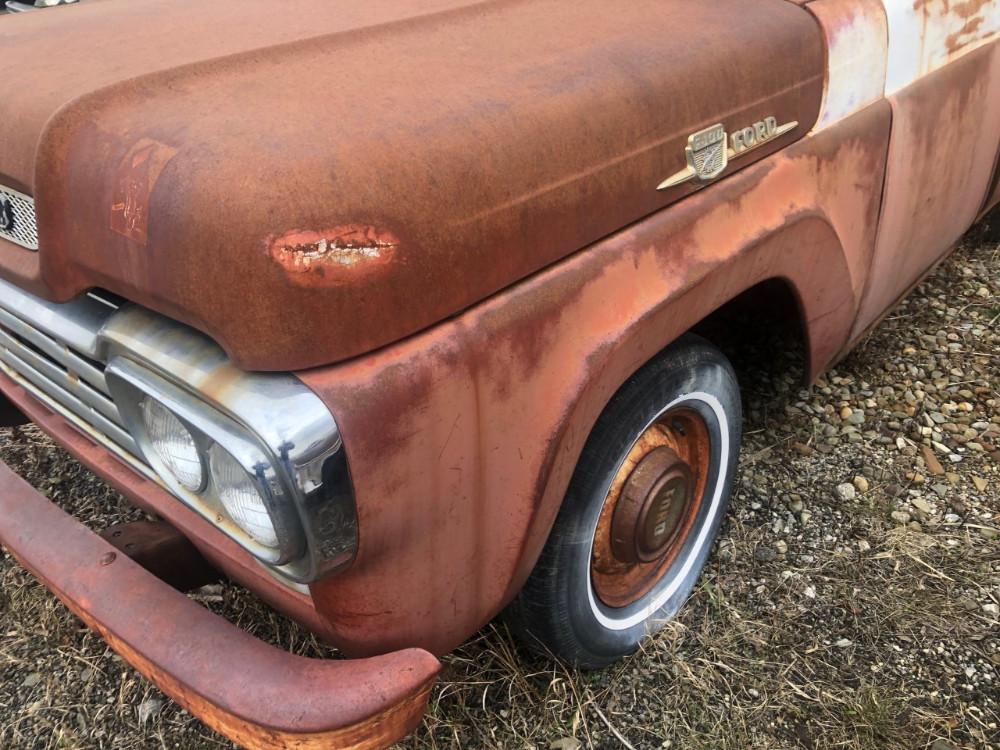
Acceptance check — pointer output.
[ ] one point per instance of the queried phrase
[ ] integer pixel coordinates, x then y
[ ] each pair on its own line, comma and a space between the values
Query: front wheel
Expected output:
641, 513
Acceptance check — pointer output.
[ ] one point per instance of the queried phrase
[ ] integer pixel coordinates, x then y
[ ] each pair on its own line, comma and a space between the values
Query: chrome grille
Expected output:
52, 351
18, 222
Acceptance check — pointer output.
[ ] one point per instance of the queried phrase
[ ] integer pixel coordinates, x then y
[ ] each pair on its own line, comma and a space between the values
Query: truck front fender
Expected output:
462, 439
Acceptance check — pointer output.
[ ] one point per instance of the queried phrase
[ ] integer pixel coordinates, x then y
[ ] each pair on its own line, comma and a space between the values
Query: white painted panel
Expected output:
856, 36
924, 35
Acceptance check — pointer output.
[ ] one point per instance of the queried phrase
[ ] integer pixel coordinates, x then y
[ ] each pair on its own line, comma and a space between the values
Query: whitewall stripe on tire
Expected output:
678, 578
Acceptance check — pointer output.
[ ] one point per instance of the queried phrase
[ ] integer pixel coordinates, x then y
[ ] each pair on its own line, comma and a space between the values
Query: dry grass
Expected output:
840, 629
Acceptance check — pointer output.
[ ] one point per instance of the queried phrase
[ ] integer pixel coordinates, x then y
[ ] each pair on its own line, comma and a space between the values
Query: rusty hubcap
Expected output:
650, 508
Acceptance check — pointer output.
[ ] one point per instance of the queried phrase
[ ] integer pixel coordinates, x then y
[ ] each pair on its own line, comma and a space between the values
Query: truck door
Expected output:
943, 81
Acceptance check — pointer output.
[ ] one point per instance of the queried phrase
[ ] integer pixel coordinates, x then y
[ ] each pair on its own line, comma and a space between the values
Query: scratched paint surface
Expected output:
925, 35
529, 130
942, 155
857, 38
479, 433
338, 255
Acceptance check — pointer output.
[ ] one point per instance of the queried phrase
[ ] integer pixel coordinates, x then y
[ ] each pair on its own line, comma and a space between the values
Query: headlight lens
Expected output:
241, 498
174, 444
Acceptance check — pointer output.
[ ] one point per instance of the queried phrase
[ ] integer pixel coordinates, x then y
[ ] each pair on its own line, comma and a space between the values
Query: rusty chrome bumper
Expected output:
254, 693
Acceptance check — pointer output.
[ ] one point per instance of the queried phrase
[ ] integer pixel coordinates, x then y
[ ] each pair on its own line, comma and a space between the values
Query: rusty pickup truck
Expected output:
397, 312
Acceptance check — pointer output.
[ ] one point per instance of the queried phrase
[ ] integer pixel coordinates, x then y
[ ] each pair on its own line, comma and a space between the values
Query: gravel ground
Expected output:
852, 601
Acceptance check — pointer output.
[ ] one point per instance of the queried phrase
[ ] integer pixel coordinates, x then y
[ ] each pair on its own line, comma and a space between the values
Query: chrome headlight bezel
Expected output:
73, 357
130, 384
273, 414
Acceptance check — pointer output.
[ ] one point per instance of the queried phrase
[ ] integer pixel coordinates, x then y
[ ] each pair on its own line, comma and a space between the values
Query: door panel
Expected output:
943, 147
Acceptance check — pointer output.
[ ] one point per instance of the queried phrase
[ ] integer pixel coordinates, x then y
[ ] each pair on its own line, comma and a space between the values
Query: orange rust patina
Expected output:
274, 699
449, 229
457, 406
492, 138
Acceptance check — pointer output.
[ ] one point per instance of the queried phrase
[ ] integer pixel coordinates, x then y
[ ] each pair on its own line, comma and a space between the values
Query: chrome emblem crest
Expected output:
708, 153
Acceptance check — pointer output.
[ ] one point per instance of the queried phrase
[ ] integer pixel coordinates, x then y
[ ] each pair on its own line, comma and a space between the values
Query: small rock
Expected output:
846, 491
863, 546
967, 603
803, 449
922, 505
933, 465
991, 608
940, 447
804, 517
900, 516
32, 679
989, 533
844, 643
149, 709
765, 554
796, 505
979, 482
861, 484
809, 592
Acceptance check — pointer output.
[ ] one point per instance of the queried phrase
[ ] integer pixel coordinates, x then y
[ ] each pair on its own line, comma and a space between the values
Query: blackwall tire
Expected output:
590, 600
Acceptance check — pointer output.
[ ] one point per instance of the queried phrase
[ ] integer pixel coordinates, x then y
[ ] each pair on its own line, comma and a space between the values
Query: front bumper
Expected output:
257, 695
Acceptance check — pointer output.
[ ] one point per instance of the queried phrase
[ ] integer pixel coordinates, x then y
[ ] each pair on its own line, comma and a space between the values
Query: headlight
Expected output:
174, 445
264, 462
239, 495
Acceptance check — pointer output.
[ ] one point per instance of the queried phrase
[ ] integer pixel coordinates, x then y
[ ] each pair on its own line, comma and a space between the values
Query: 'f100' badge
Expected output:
708, 154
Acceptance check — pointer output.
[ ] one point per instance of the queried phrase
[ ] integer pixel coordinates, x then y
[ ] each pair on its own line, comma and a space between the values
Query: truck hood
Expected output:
308, 180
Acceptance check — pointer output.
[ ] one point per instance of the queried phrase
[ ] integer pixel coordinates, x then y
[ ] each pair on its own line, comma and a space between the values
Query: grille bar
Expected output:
35, 382
18, 222
67, 380
52, 350
56, 351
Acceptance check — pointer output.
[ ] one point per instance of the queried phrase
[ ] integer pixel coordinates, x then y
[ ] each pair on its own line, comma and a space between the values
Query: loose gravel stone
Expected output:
846, 491
765, 554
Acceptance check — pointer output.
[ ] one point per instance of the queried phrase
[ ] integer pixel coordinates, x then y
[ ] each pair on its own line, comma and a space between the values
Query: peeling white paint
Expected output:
924, 35
856, 37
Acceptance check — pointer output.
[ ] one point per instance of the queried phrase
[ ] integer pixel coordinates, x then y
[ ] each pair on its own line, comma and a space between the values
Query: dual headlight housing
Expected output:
262, 460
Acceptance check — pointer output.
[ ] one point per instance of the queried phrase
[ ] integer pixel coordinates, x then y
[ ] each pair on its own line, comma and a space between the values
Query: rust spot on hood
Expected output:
336, 254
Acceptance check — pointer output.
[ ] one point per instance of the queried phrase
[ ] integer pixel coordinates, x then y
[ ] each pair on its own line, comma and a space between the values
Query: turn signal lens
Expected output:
241, 498
174, 444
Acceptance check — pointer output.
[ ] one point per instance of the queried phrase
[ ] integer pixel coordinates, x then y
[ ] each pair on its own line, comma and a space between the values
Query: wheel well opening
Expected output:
762, 333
